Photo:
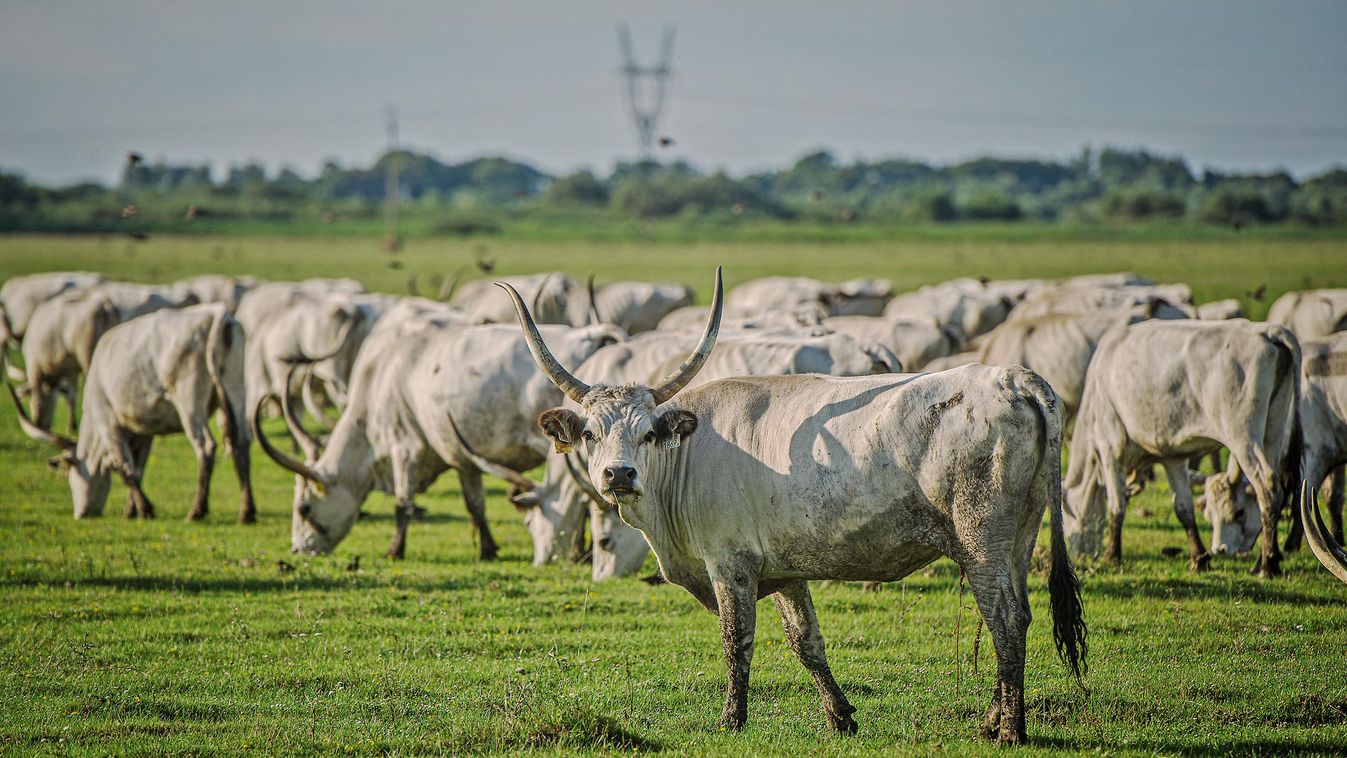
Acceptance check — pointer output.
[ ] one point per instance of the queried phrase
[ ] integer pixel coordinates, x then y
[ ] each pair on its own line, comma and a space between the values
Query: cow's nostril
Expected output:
608, 473
304, 510
606, 543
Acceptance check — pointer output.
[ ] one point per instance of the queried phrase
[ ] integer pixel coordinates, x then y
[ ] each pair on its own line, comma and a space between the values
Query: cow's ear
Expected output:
672, 426
563, 427
60, 463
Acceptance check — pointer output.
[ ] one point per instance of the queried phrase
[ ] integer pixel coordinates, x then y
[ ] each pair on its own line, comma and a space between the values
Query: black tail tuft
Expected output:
1068, 619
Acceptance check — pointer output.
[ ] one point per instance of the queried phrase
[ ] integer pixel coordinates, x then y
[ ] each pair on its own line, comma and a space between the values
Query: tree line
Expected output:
1109, 185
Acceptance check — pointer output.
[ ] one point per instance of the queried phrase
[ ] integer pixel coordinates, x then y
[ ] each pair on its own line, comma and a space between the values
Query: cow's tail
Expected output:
1286, 395
1068, 617
226, 337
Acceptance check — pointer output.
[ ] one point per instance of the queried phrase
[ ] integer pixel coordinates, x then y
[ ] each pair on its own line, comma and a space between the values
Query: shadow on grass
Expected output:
1298, 745
1268, 591
258, 584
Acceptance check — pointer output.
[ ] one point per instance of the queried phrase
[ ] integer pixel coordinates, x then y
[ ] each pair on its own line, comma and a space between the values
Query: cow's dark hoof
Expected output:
196, 514
1201, 562
732, 721
418, 513
842, 723
1269, 569
248, 517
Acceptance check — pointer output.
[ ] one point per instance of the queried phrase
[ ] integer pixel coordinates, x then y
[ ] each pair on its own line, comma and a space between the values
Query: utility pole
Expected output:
647, 86
392, 241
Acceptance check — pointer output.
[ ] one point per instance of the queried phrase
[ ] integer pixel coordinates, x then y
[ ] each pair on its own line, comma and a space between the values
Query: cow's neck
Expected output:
665, 517
349, 456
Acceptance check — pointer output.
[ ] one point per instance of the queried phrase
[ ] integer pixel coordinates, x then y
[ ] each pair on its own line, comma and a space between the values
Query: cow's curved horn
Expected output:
312, 447
585, 485
33, 430
1325, 548
491, 467
283, 460
593, 302
563, 379
449, 285
538, 293
689, 368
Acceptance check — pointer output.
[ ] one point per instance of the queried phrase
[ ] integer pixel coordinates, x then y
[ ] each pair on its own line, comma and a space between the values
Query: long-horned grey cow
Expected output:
415, 395
1166, 391
637, 307
858, 297
161, 373
751, 487
555, 509
64, 331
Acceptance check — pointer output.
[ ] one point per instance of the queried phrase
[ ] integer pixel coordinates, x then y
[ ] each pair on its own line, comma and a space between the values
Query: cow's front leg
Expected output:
1115, 486
132, 455
474, 499
802, 632
204, 447
1176, 471
736, 589
398, 548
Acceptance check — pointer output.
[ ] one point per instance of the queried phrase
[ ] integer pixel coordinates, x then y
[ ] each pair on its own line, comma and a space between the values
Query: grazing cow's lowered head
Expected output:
1232, 510
617, 426
88, 474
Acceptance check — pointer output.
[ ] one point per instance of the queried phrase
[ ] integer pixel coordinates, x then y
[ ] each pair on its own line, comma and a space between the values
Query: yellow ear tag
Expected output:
320, 489
562, 447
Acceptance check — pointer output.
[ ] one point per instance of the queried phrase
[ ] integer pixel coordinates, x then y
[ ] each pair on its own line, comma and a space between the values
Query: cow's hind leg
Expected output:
203, 444
474, 498
736, 589
135, 453
234, 429
1115, 486
1263, 478
1007, 617
1176, 470
801, 624
404, 491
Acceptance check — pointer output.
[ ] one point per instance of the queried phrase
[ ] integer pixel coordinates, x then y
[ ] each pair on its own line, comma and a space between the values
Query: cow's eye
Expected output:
649, 438
588, 435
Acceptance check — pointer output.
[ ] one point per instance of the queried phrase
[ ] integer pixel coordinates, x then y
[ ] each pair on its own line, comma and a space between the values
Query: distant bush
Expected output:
580, 188
1143, 204
991, 205
933, 206
465, 227
1235, 206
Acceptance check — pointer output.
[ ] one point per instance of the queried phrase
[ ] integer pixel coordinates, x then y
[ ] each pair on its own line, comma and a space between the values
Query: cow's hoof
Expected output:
732, 721
1267, 569
394, 553
489, 554
991, 723
418, 513
842, 722
248, 517
1011, 736
196, 515
1201, 562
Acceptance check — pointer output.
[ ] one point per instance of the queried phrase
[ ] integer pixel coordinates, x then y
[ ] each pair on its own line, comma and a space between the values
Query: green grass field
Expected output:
124, 637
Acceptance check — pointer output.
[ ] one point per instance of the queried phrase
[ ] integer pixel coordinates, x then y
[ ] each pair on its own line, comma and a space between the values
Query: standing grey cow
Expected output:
1158, 301
21, 295
752, 487
162, 373
64, 330
1311, 314
972, 310
1221, 310
264, 300
555, 509
1166, 391
396, 434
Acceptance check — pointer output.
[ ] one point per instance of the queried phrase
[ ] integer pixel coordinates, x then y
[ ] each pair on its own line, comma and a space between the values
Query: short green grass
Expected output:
159, 637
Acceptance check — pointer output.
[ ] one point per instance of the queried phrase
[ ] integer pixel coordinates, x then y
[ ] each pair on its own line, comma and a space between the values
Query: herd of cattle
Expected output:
749, 468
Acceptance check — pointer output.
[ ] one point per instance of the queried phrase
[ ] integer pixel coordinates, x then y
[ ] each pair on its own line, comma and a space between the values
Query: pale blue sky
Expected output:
1230, 84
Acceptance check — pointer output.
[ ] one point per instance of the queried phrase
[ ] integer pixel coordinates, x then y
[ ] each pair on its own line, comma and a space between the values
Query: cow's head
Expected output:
619, 550
89, 483
618, 427
325, 507
1232, 509
1084, 508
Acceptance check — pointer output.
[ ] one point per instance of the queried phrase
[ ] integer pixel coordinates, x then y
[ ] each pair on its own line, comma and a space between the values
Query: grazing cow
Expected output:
21, 295
1160, 301
396, 434
1322, 412
637, 307
971, 309
1311, 314
1166, 391
1221, 310
555, 509
214, 288
915, 342
858, 297
161, 373
264, 300
559, 299
753, 486
64, 330
1057, 348
808, 316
